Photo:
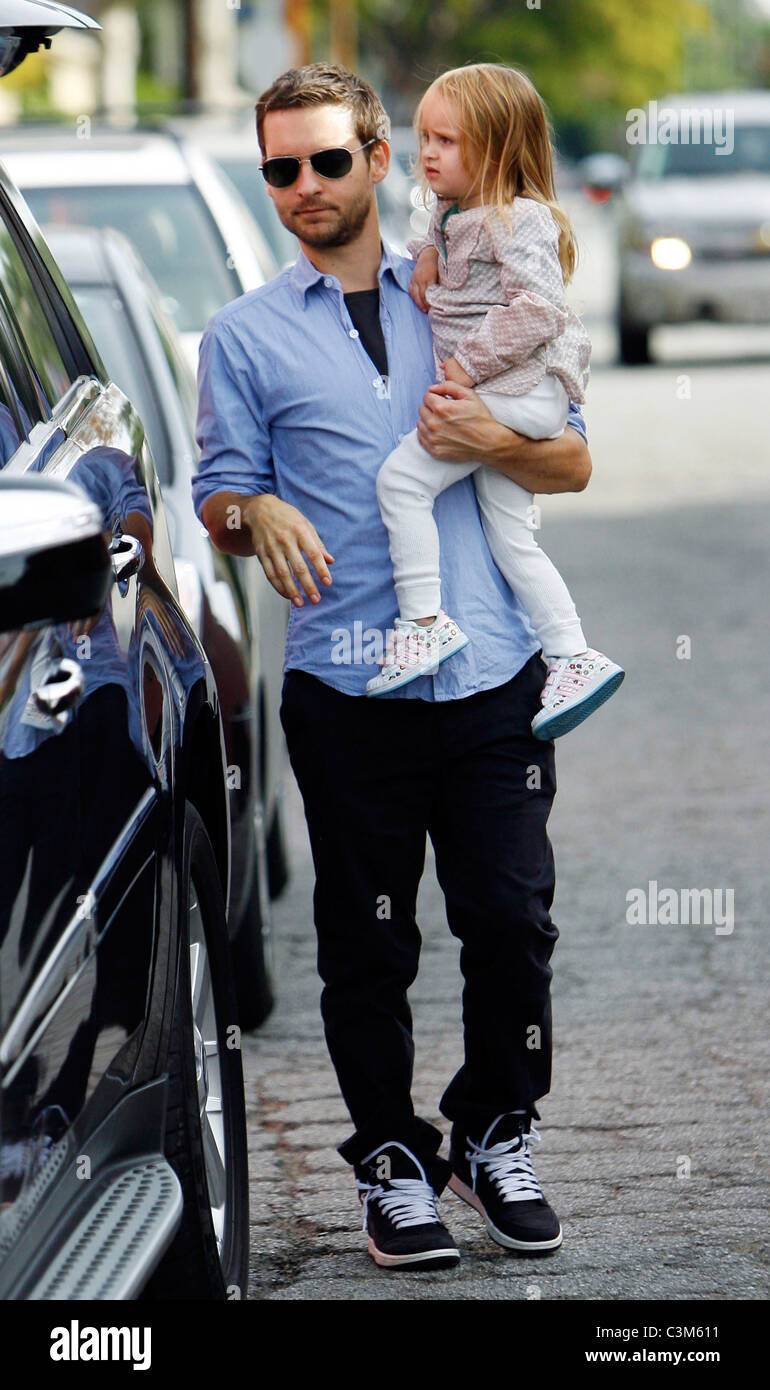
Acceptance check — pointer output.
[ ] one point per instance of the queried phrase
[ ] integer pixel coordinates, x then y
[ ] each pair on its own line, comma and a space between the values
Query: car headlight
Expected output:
670, 253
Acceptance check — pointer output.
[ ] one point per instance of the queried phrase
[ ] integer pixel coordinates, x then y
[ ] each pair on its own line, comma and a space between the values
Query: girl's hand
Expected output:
454, 372
424, 274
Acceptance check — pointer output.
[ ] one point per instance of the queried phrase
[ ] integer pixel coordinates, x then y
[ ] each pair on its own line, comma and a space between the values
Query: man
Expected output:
305, 387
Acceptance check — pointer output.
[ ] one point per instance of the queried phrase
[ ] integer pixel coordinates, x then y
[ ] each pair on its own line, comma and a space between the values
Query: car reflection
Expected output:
54, 868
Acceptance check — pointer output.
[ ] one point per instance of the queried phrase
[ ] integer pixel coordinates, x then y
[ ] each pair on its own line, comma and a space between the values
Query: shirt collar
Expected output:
304, 274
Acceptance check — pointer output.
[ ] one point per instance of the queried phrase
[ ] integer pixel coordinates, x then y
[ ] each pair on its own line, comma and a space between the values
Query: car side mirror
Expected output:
55, 566
27, 25
601, 175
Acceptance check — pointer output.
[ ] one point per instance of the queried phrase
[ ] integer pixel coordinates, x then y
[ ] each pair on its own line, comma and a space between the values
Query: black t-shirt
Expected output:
364, 310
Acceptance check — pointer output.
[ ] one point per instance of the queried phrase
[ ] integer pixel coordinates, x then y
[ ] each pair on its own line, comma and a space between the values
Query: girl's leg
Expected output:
408, 484
506, 516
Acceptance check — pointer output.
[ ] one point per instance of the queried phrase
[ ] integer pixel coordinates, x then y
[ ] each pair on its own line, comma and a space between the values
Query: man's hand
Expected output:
454, 425
424, 274
280, 534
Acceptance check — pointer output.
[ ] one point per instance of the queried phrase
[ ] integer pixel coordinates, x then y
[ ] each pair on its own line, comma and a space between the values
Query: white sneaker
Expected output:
574, 688
451, 638
414, 651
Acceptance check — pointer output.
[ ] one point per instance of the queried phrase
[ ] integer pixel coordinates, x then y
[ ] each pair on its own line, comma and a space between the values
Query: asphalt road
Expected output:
654, 1149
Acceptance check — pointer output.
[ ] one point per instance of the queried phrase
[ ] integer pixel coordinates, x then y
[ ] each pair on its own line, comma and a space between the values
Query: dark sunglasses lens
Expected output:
332, 164
279, 173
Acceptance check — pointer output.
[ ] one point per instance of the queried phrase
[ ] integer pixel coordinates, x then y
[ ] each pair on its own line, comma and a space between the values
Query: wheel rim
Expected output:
208, 1069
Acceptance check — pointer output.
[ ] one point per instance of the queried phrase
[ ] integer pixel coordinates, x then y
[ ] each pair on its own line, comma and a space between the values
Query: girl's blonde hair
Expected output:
504, 133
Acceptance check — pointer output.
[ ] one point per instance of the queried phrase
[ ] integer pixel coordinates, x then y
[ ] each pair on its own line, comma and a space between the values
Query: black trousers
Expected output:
376, 775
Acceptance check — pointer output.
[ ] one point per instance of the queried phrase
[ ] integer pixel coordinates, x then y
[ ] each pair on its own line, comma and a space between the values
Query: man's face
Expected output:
323, 212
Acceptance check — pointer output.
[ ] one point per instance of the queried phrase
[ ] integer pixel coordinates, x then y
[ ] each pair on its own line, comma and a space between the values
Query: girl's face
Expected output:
440, 156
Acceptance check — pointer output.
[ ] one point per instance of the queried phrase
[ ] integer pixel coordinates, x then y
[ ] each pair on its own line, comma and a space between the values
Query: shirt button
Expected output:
353, 333
328, 282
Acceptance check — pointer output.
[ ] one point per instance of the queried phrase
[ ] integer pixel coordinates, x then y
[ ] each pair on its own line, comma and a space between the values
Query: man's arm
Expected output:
277, 533
454, 424
233, 490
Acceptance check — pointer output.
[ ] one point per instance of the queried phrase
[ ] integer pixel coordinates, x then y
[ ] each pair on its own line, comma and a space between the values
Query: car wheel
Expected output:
252, 945
277, 859
206, 1122
633, 342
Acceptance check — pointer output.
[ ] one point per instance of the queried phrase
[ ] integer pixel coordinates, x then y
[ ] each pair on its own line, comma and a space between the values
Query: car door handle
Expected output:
127, 556
62, 688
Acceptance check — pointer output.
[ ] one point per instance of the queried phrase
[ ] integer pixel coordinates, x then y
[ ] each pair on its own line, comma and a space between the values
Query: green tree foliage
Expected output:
590, 59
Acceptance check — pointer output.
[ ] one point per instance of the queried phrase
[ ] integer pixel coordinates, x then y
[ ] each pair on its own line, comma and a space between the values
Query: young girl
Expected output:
491, 271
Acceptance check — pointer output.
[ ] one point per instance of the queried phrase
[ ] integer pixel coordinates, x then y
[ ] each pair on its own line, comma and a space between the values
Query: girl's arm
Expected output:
416, 244
533, 286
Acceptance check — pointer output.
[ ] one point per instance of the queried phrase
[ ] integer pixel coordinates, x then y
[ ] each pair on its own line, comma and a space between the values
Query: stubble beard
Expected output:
345, 227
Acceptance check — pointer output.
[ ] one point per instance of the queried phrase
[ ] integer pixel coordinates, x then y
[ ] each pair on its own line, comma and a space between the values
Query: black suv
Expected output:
122, 1127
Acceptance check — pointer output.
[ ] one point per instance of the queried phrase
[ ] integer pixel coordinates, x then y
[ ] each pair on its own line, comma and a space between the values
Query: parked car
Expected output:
195, 235
231, 144
119, 1055
238, 616
693, 216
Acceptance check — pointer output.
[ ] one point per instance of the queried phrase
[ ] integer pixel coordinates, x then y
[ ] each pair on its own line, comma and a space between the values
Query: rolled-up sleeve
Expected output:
236, 453
575, 421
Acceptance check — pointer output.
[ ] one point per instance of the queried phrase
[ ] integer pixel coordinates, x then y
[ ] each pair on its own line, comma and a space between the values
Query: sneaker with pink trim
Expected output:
574, 688
414, 650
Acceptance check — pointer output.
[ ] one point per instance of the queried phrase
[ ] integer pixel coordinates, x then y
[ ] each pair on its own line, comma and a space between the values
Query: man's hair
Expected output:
326, 84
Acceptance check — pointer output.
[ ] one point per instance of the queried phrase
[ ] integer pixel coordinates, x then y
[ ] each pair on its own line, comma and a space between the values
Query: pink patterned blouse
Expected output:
499, 303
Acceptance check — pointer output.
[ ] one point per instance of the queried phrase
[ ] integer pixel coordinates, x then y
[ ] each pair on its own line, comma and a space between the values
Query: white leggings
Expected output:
408, 484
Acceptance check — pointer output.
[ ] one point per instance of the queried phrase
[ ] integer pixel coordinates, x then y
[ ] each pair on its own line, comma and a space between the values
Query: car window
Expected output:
13, 429
180, 370
245, 175
172, 230
22, 399
113, 332
750, 154
21, 300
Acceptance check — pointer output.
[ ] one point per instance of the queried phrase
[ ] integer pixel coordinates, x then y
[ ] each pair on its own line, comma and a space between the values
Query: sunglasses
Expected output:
283, 171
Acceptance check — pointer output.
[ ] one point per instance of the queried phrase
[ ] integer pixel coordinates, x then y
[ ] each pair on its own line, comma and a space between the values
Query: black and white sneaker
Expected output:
400, 1213
496, 1177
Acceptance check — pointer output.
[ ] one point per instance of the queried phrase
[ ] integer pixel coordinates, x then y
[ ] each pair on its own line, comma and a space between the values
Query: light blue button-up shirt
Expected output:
291, 403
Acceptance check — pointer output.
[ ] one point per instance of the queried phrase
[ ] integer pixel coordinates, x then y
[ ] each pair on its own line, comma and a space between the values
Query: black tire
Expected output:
252, 945
194, 1267
277, 858
633, 342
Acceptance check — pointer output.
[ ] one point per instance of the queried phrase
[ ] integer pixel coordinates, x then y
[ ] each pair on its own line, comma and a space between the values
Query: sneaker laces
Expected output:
407, 645
405, 1201
511, 1171
566, 675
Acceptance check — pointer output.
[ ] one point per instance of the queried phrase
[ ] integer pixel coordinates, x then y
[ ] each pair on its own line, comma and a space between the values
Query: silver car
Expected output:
192, 230
238, 616
693, 216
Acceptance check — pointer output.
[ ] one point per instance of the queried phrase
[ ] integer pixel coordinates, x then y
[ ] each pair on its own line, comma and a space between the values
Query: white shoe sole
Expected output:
451, 648
549, 726
469, 1196
419, 1257
405, 680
